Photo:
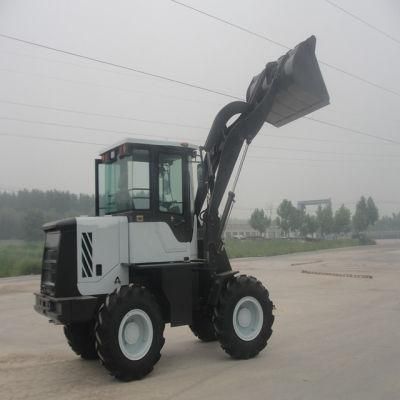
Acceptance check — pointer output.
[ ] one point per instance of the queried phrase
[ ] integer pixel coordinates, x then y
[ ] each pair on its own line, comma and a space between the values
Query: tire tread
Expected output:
81, 339
110, 356
230, 343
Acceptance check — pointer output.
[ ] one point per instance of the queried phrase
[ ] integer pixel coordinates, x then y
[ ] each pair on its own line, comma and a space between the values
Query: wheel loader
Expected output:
154, 253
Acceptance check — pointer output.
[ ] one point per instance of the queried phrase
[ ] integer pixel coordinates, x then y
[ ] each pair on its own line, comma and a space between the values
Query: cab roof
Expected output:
131, 140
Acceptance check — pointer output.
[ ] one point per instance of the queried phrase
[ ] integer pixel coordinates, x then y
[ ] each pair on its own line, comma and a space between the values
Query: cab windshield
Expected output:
124, 184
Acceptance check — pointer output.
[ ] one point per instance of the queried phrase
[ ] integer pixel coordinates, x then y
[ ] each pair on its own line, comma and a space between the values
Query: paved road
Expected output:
334, 338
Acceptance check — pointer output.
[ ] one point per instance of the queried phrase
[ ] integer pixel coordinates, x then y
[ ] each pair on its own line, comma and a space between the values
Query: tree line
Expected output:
23, 213
387, 223
292, 220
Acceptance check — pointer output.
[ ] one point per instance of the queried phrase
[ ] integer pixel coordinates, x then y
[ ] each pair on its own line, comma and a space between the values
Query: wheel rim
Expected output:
248, 318
135, 334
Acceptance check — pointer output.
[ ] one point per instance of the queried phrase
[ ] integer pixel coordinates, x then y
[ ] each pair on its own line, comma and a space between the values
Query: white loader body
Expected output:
107, 245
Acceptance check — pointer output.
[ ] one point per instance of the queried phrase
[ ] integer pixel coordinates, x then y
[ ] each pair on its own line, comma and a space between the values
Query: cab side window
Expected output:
139, 180
170, 183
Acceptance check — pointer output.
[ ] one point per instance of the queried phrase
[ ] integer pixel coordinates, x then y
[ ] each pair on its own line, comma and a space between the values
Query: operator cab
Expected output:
148, 181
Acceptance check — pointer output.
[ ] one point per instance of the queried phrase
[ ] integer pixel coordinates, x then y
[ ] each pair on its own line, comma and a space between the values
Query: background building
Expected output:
241, 229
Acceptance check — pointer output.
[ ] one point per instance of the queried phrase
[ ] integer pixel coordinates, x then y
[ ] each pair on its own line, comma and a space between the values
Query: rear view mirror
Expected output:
300, 88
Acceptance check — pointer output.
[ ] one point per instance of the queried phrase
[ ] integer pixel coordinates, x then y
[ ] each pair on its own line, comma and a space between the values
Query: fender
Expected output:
219, 283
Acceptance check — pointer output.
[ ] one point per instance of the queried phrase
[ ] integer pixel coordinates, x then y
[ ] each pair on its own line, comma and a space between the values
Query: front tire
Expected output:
81, 339
202, 326
129, 333
243, 317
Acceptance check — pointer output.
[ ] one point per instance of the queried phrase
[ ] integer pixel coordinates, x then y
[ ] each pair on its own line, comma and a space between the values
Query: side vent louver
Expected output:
87, 254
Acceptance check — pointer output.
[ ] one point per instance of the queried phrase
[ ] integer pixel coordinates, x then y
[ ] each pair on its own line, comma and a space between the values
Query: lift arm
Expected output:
284, 91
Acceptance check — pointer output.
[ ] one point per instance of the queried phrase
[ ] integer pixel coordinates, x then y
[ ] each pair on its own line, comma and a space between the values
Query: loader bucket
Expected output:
300, 88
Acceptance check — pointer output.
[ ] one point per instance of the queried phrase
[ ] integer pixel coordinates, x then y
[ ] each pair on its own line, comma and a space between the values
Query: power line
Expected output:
123, 132
265, 159
332, 125
90, 66
324, 140
79, 112
85, 83
363, 21
326, 152
263, 37
49, 139
358, 132
337, 126
87, 128
309, 159
68, 110
232, 24
57, 61
138, 71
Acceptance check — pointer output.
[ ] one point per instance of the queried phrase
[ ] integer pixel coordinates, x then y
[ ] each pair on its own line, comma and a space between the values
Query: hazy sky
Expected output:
303, 160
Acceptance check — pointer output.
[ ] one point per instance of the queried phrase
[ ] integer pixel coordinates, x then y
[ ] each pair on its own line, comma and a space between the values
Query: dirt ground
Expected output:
335, 337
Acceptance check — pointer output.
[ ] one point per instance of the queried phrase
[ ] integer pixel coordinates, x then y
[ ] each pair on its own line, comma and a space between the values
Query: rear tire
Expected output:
203, 327
129, 333
81, 339
243, 317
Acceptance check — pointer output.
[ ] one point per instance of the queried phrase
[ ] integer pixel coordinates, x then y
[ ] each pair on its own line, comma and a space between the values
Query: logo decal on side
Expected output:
87, 254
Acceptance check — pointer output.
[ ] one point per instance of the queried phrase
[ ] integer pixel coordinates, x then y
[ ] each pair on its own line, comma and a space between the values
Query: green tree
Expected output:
388, 223
312, 224
360, 218
296, 219
372, 211
309, 225
259, 221
325, 220
366, 214
15, 209
32, 224
10, 224
290, 218
285, 211
342, 220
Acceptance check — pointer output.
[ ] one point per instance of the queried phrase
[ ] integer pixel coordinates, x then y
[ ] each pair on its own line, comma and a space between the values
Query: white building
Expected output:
239, 229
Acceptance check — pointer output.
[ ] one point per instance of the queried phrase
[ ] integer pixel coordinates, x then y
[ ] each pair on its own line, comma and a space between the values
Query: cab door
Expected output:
173, 193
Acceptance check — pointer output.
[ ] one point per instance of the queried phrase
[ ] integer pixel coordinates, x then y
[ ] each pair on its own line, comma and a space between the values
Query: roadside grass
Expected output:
20, 258
24, 258
264, 248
